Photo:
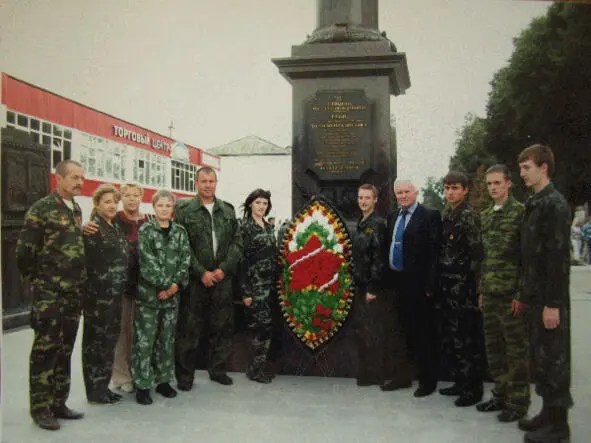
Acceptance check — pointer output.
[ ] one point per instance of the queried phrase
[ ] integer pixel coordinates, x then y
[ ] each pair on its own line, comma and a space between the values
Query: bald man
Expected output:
413, 241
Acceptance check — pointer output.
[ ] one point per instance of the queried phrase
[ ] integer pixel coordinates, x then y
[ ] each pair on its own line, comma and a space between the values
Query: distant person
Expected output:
368, 240
164, 257
107, 267
416, 239
258, 278
505, 329
586, 234
460, 259
545, 255
576, 237
50, 256
217, 248
129, 220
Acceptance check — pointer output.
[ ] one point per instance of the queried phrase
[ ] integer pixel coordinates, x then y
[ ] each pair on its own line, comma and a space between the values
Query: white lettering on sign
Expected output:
144, 139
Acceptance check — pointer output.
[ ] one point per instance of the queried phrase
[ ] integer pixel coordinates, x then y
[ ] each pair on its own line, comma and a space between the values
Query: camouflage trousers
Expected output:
506, 339
551, 357
462, 341
261, 325
102, 322
204, 309
153, 344
54, 321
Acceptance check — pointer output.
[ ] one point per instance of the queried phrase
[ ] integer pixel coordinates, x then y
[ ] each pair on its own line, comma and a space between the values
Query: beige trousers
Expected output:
122, 364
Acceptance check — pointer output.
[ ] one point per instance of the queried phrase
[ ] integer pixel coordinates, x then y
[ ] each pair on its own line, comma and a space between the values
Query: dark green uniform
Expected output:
165, 257
505, 335
258, 280
107, 264
545, 251
200, 304
368, 241
462, 337
50, 255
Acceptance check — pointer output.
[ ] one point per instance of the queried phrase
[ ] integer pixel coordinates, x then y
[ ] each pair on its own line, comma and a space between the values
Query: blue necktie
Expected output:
396, 258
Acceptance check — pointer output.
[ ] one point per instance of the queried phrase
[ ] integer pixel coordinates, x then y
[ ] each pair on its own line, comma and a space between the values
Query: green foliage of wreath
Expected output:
316, 228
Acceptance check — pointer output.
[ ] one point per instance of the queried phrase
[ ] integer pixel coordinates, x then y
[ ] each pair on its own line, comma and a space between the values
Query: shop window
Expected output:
56, 158
22, 120
46, 127
35, 125
183, 176
10, 117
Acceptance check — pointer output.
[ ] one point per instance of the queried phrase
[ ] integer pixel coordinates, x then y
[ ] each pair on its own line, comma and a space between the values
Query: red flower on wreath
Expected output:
313, 265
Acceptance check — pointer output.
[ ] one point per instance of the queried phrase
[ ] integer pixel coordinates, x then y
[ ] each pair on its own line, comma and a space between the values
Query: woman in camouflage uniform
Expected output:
165, 257
258, 277
107, 260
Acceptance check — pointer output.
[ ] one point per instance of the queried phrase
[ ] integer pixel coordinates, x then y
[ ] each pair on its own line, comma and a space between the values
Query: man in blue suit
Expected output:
413, 240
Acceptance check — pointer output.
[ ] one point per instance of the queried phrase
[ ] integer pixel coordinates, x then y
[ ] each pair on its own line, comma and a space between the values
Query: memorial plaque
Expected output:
338, 128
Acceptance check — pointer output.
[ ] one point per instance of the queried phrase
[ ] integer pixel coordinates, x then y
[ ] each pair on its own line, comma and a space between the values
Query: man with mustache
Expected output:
50, 255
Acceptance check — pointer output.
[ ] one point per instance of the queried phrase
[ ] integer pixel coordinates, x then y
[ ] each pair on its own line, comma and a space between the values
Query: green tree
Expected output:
471, 151
543, 96
433, 194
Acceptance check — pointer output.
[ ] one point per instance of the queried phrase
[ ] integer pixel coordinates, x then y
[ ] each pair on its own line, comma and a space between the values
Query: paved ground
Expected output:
291, 409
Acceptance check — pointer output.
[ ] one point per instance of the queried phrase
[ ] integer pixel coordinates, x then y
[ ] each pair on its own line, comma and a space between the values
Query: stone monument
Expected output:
342, 78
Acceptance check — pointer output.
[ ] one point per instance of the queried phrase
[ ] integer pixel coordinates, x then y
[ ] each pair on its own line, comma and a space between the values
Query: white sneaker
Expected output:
127, 387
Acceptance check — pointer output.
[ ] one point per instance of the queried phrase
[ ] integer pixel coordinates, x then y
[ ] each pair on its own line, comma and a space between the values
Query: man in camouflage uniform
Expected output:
215, 242
545, 254
50, 255
165, 257
369, 301
461, 256
505, 331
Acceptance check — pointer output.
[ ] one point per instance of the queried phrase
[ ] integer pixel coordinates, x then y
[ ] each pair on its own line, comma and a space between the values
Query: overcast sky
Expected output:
206, 65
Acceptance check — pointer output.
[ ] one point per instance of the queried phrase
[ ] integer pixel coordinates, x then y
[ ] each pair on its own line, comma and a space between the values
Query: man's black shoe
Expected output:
363, 382
142, 396
166, 390
114, 395
104, 399
424, 390
536, 422
451, 391
394, 385
492, 405
509, 415
222, 379
184, 385
47, 421
66, 413
259, 378
468, 398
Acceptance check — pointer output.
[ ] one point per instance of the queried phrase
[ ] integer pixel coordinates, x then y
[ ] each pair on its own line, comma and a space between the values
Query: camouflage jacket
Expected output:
130, 229
50, 249
545, 249
107, 256
501, 267
164, 260
461, 244
195, 218
260, 265
368, 260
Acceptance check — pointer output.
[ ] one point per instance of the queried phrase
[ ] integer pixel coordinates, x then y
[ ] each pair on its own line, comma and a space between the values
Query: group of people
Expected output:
581, 240
150, 286
454, 290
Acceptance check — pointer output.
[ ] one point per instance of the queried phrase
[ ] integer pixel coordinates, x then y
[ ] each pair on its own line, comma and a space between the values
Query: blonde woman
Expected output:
107, 267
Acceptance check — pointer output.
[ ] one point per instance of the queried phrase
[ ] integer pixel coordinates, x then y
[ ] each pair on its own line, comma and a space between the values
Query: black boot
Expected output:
471, 394
166, 390
451, 391
142, 396
536, 422
556, 429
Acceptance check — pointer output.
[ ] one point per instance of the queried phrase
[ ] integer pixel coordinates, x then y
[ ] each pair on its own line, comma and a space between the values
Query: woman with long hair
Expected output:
258, 277
107, 266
